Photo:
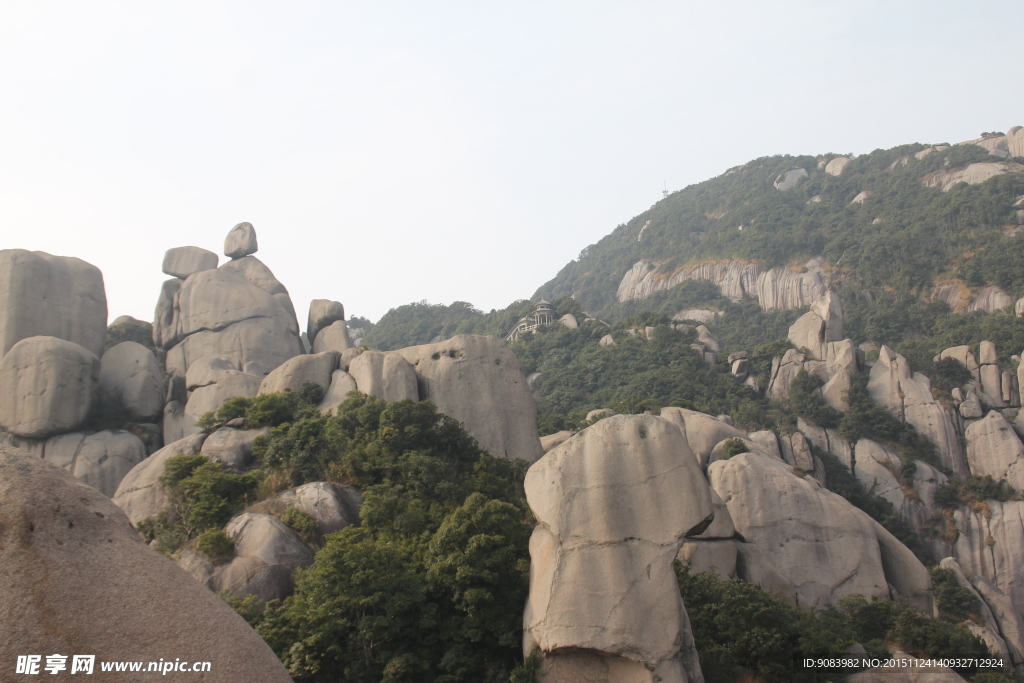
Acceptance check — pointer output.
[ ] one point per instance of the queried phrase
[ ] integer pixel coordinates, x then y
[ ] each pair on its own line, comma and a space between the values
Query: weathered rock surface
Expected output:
316, 368
993, 448
51, 296
810, 543
781, 289
819, 326
384, 375
972, 174
569, 320
241, 241
790, 179
341, 384
47, 386
140, 495
558, 438
232, 447
322, 312
478, 381
100, 460
334, 337
78, 579
181, 262
332, 507
1014, 647
267, 553
130, 382
836, 165
703, 432
614, 505
210, 397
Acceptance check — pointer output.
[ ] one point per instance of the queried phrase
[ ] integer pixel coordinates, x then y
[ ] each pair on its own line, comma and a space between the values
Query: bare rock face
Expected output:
210, 397
1014, 646
971, 174
293, 372
140, 495
606, 341
341, 384
836, 165
78, 579
100, 460
993, 448
332, 507
385, 375
47, 386
909, 397
241, 241
51, 296
181, 262
790, 179
267, 553
478, 381
1015, 141
808, 543
322, 312
130, 381
819, 326
334, 337
232, 447
614, 505
781, 289
703, 432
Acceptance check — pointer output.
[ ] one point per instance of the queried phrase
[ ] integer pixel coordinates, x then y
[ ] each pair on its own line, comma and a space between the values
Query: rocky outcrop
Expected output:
1015, 141
971, 174
994, 449
51, 296
241, 241
180, 262
909, 397
569, 320
613, 506
962, 299
878, 469
557, 439
232, 447
332, 507
1014, 644
140, 495
818, 327
384, 375
291, 374
209, 398
100, 460
341, 384
804, 541
790, 179
47, 386
78, 579
334, 337
836, 165
478, 381
703, 432
130, 382
322, 313
781, 289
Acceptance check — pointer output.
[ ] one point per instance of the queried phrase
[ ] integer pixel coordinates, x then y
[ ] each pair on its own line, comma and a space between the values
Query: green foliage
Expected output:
805, 400
249, 608
973, 491
956, 603
215, 544
301, 523
136, 331
732, 447
948, 374
740, 629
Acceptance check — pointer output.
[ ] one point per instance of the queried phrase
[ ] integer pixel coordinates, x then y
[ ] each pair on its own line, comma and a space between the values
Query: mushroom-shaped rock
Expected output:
341, 384
130, 381
51, 296
614, 504
140, 494
181, 262
267, 553
47, 386
478, 381
291, 374
232, 447
322, 312
334, 337
332, 507
808, 542
384, 375
241, 241
100, 460
78, 579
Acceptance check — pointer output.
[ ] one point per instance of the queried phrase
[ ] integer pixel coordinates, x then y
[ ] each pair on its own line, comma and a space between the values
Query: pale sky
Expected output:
388, 152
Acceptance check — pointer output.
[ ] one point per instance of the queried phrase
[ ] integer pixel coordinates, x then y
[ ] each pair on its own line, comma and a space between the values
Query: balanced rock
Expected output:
332, 507
385, 375
51, 296
478, 381
322, 312
614, 505
78, 579
241, 241
130, 381
47, 386
181, 262
140, 494
291, 374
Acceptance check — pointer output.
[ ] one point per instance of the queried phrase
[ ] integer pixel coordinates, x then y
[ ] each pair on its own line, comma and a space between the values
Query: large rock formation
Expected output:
613, 506
807, 542
100, 460
971, 174
130, 382
241, 241
77, 579
322, 313
47, 386
478, 381
703, 432
384, 375
140, 494
291, 374
994, 449
51, 296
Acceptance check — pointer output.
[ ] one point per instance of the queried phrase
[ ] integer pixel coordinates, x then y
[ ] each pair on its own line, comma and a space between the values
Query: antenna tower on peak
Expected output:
664, 193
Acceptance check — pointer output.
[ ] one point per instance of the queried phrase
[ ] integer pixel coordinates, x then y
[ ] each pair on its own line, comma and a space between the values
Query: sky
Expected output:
391, 152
